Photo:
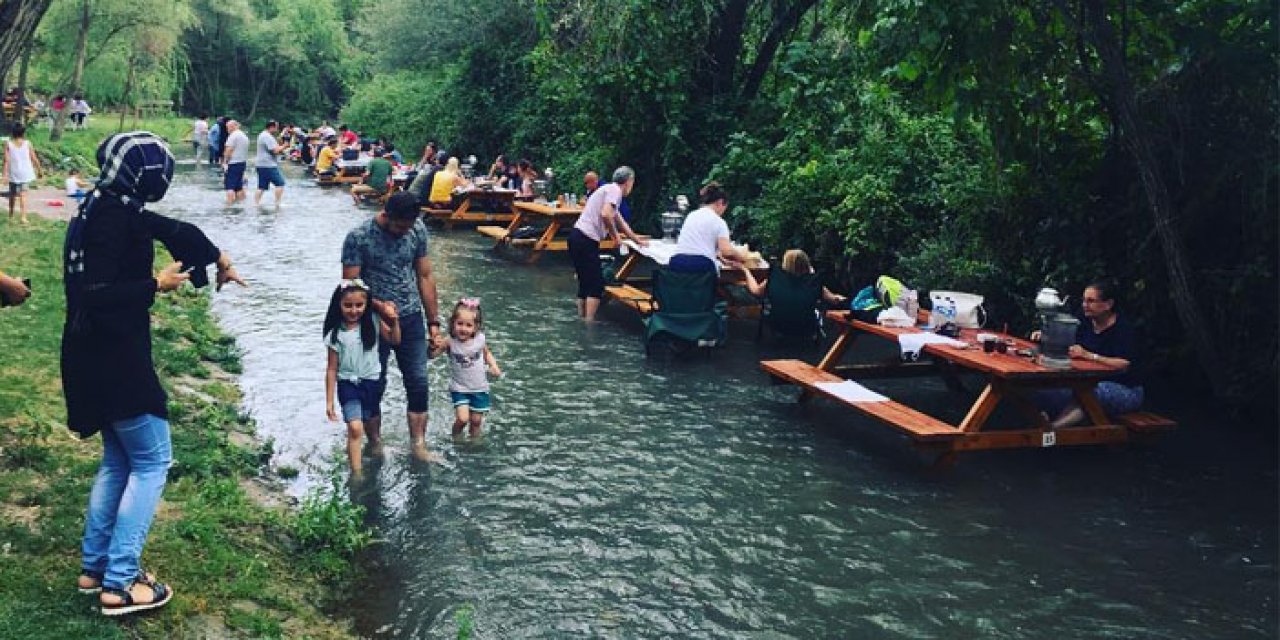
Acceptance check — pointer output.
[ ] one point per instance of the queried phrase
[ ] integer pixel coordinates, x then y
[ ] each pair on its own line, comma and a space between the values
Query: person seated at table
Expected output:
704, 237
498, 170
1105, 337
375, 178
348, 138
389, 150
445, 182
590, 182
527, 175
307, 151
796, 262
429, 154
327, 157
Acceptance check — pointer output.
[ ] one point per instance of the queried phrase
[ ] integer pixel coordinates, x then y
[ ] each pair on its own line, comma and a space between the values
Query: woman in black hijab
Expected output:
108, 376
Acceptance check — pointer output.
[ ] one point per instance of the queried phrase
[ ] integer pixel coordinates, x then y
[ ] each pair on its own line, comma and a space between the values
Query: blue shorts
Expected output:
360, 399
234, 179
478, 401
268, 176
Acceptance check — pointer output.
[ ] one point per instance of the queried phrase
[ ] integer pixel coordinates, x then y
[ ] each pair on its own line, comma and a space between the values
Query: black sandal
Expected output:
160, 592
97, 576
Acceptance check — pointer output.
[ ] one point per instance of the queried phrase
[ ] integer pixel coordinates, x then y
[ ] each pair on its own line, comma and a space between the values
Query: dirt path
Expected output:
47, 202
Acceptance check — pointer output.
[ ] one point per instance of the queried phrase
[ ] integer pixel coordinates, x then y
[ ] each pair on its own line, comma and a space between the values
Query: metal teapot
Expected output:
1048, 300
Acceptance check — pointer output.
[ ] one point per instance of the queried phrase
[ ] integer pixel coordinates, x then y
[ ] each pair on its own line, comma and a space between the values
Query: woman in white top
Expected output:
22, 168
79, 111
704, 237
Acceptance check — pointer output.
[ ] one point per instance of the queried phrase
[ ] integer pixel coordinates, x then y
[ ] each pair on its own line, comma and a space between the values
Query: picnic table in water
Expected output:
1010, 377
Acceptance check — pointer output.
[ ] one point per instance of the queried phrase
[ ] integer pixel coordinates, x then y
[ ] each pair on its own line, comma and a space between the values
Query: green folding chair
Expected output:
688, 313
791, 305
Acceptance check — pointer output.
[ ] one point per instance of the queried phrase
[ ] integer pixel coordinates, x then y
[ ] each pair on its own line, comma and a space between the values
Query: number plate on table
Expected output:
1048, 439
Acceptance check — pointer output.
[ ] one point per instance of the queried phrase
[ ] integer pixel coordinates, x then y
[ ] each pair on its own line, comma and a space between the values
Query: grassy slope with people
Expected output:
77, 148
239, 566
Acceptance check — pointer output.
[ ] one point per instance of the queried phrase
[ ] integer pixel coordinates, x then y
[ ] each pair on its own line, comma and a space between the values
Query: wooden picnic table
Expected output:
526, 213
632, 292
1009, 378
350, 171
463, 213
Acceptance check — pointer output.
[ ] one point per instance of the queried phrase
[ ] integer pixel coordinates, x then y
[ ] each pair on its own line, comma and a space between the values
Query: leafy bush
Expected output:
328, 521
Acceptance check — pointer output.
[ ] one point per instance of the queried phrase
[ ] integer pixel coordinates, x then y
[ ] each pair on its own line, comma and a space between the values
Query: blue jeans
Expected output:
411, 357
1116, 399
136, 454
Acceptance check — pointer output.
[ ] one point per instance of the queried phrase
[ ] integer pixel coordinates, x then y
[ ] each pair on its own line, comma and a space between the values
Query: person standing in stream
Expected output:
389, 253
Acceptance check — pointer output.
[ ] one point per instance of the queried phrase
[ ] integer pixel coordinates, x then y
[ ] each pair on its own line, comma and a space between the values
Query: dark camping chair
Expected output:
790, 305
688, 313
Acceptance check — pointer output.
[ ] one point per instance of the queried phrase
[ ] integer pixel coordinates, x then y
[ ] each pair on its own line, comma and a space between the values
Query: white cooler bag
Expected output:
969, 311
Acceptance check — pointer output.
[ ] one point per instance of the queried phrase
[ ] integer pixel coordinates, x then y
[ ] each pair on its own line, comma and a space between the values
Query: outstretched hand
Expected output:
228, 275
171, 277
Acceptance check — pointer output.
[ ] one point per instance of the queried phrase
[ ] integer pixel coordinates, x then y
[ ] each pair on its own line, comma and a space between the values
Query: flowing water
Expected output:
618, 497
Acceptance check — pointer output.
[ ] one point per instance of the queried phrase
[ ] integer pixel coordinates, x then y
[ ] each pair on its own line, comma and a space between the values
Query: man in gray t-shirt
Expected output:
266, 164
235, 156
389, 252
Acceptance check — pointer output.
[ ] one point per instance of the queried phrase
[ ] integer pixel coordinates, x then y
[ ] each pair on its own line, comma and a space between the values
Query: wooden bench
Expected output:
498, 233
638, 299
493, 231
435, 214
919, 426
1145, 422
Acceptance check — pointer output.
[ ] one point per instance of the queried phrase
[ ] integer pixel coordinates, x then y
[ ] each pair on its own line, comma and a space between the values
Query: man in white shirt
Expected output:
235, 157
200, 137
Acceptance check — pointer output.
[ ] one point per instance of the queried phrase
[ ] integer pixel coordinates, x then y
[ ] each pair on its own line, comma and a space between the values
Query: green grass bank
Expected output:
77, 148
243, 563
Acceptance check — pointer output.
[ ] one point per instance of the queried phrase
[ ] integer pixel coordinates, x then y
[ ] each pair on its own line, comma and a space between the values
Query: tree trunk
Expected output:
77, 75
128, 88
18, 21
1121, 100
786, 17
20, 113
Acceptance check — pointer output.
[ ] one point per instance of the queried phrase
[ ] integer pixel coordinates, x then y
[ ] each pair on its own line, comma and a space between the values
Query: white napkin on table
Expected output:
912, 343
850, 391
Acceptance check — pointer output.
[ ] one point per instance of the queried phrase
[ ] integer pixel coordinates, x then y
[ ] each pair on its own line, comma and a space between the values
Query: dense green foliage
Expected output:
247, 58
980, 144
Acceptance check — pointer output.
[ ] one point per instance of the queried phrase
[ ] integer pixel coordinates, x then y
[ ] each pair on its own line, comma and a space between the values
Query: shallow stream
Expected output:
618, 497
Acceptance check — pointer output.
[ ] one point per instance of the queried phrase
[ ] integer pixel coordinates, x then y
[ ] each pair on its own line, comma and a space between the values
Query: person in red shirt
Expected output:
347, 137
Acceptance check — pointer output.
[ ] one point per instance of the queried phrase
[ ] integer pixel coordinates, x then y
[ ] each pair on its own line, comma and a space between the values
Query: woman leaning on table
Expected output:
1106, 337
704, 236
108, 377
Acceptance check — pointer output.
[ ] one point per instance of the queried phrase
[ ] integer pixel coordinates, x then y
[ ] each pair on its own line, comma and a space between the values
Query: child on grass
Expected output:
468, 384
352, 328
75, 186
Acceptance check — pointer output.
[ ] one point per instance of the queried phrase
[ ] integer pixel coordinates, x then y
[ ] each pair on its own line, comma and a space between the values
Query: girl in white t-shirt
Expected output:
352, 328
469, 362
704, 237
